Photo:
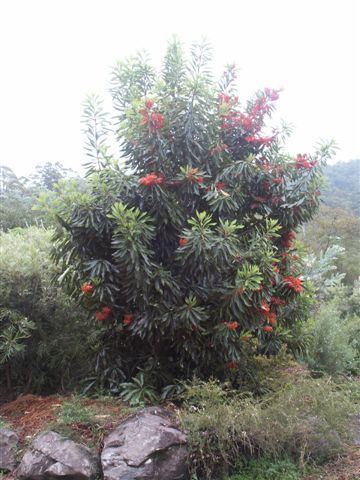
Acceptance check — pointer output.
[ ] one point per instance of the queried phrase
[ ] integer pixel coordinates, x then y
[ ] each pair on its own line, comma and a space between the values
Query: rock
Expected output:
52, 456
8, 447
146, 446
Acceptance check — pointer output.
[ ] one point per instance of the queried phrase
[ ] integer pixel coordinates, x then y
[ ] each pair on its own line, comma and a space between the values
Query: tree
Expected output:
16, 201
336, 226
185, 255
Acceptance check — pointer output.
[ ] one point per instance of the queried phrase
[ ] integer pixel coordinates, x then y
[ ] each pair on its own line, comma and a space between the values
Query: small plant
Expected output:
269, 469
74, 411
138, 391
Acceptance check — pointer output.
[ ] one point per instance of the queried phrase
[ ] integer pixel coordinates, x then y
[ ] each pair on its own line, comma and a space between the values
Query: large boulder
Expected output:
52, 456
8, 447
146, 446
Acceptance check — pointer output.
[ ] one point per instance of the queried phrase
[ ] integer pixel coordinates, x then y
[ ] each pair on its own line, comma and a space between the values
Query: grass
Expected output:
270, 469
308, 421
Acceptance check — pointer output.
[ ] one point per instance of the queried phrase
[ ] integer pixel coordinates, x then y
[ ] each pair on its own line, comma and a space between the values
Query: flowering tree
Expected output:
185, 256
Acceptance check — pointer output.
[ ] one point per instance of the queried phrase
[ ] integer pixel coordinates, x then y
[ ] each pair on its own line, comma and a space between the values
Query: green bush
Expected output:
305, 421
46, 342
187, 248
334, 337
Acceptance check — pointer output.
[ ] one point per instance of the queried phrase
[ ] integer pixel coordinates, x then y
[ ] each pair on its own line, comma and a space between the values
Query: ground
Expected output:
30, 414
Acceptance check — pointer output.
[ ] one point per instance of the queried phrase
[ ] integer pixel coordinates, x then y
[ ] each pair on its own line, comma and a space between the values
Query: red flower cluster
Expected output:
219, 185
128, 318
272, 94
267, 328
151, 179
183, 241
148, 103
277, 301
265, 307
293, 283
231, 325
287, 239
270, 317
87, 288
231, 365
155, 119
259, 140
277, 180
103, 314
301, 161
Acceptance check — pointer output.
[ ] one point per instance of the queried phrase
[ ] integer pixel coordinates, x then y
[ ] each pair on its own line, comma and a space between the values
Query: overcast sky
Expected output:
54, 52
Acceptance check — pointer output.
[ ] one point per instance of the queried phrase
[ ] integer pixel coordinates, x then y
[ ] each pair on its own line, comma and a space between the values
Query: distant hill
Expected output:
343, 190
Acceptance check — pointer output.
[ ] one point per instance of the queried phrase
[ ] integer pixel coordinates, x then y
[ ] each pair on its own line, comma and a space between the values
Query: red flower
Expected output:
265, 307
128, 318
100, 316
295, 258
267, 328
219, 185
301, 161
272, 94
199, 179
293, 283
231, 325
157, 120
87, 288
277, 301
151, 179
148, 103
231, 365
271, 318
105, 312
277, 180
287, 239
183, 241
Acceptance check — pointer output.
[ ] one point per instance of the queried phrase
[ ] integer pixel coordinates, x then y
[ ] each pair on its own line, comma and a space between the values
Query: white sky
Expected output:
54, 52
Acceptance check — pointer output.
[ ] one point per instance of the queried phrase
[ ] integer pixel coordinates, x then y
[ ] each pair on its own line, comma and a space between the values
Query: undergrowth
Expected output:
308, 421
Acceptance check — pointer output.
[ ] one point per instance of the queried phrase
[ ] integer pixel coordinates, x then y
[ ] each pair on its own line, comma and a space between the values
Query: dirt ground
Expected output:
30, 414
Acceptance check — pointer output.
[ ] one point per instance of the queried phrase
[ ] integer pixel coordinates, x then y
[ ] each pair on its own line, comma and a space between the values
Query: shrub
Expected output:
334, 345
188, 249
45, 340
308, 420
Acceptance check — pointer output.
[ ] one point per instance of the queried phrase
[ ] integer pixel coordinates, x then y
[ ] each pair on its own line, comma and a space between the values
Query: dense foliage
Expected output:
185, 255
45, 340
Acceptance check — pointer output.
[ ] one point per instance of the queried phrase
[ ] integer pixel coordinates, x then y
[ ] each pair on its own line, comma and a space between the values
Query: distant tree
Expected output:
18, 195
16, 201
336, 226
343, 190
48, 175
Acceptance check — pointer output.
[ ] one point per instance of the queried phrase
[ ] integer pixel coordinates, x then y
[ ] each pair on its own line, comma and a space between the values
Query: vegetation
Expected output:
178, 276
185, 257
343, 186
306, 420
45, 340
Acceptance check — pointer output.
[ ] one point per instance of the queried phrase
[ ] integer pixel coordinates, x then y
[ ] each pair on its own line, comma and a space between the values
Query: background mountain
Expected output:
343, 189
